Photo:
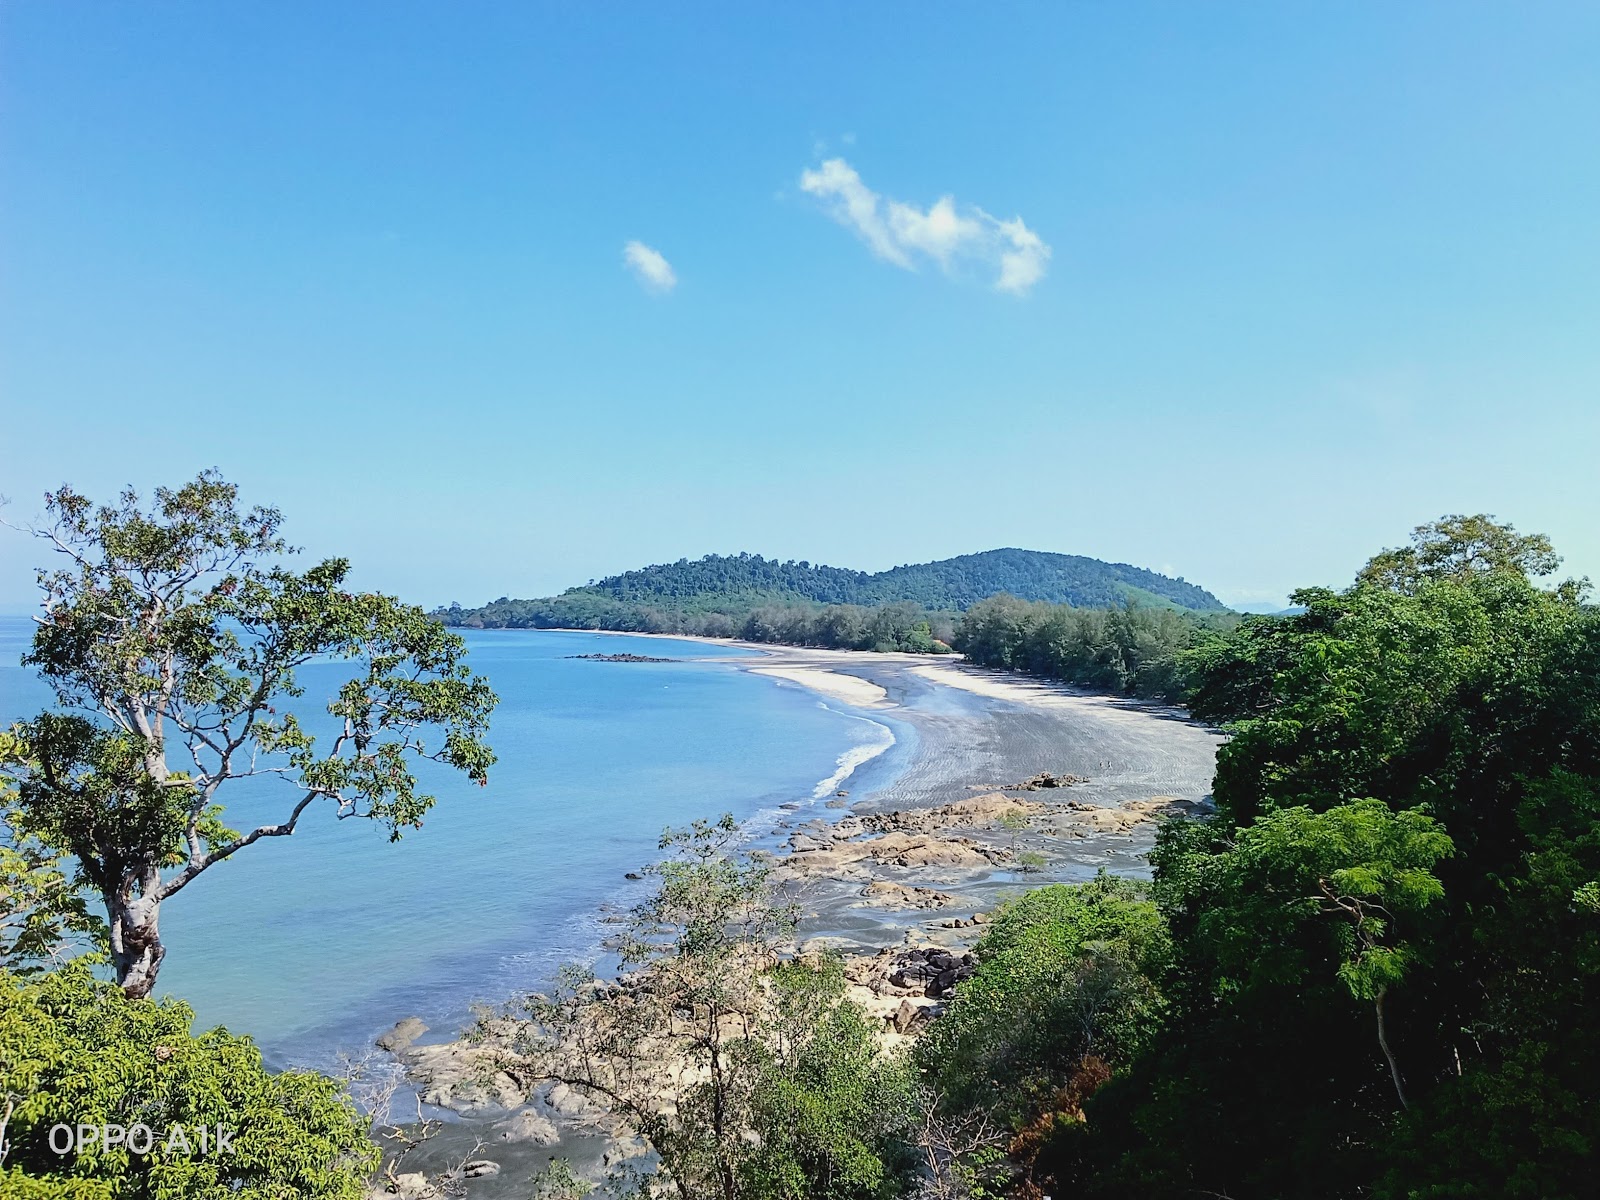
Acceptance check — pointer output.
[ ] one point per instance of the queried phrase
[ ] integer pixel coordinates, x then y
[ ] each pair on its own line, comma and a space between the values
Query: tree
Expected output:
44, 915
1408, 816
1064, 972
75, 1051
1460, 548
172, 637
1358, 869
751, 1079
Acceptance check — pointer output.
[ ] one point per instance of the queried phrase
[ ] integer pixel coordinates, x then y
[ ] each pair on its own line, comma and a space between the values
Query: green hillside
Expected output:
735, 585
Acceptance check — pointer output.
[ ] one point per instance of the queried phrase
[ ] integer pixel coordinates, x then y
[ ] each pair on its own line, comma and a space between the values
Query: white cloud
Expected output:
649, 267
904, 234
1022, 262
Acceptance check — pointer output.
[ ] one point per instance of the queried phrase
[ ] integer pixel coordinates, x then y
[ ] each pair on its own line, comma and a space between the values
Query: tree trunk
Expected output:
136, 950
1383, 1043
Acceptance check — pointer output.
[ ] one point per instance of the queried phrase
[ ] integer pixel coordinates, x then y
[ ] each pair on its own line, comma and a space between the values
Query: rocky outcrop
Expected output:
411, 1185
464, 1076
528, 1125
881, 893
1084, 818
1044, 779
973, 812
929, 972
402, 1035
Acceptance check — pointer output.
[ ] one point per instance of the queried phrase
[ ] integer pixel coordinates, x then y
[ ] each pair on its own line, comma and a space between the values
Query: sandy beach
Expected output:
835, 685
976, 732
897, 863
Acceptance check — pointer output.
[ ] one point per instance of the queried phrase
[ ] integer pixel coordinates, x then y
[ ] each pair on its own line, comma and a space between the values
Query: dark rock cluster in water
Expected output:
621, 658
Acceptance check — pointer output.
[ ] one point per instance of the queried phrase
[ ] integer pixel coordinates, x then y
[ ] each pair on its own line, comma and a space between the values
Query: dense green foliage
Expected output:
714, 595
74, 1050
171, 637
1131, 649
830, 1111
1384, 948
44, 915
1063, 975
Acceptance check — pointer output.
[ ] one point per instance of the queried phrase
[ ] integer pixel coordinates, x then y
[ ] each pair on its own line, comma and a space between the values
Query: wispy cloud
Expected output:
906, 235
649, 267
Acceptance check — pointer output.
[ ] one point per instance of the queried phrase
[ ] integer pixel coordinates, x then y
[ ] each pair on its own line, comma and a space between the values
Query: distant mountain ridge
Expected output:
735, 584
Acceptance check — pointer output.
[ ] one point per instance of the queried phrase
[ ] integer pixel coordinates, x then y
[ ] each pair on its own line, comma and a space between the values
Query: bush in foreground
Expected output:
74, 1051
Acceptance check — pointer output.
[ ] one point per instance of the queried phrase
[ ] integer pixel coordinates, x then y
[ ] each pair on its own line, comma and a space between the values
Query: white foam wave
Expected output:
852, 759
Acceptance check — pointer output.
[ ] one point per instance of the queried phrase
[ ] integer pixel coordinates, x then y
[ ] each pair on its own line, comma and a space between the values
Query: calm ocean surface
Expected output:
319, 941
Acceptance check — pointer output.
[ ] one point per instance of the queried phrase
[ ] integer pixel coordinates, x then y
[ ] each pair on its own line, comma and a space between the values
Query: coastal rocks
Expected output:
528, 1126
931, 972
909, 1018
625, 658
463, 1076
1094, 819
569, 1104
1044, 779
925, 850
882, 893
934, 972
973, 812
411, 1185
402, 1035
971, 922
620, 1150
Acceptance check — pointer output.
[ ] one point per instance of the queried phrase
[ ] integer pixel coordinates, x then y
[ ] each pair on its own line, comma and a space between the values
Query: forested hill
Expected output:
734, 585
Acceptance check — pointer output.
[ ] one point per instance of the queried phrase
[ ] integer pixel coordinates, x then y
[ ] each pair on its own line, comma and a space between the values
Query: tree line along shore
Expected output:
1109, 626
1368, 970
1130, 649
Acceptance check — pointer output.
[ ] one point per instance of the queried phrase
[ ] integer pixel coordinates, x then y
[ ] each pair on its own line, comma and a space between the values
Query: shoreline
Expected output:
906, 866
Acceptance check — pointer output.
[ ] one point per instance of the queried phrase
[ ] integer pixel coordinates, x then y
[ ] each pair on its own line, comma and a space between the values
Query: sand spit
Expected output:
847, 689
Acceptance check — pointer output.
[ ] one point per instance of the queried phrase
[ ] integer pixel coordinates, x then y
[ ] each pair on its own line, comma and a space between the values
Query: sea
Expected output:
314, 944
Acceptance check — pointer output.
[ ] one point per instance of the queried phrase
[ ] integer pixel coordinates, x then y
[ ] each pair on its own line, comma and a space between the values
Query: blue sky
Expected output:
1293, 278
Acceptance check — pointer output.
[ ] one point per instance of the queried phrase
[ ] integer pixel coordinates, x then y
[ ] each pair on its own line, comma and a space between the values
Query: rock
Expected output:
633, 875
413, 1185
885, 894
528, 1126
565, 1102
480, 1168
908, 1015
928, 971
402, 1035
459, 1076
623, 658
913, 850
623, 1149
1044, 779
974, 812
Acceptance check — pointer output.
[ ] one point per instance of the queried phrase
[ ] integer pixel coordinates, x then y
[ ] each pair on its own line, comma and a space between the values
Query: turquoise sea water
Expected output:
316, 942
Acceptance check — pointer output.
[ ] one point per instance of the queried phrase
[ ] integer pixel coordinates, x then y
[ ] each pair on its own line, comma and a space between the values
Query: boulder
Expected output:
412, 1185
402, 1035
884, 894
909, 1015
528, 1126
